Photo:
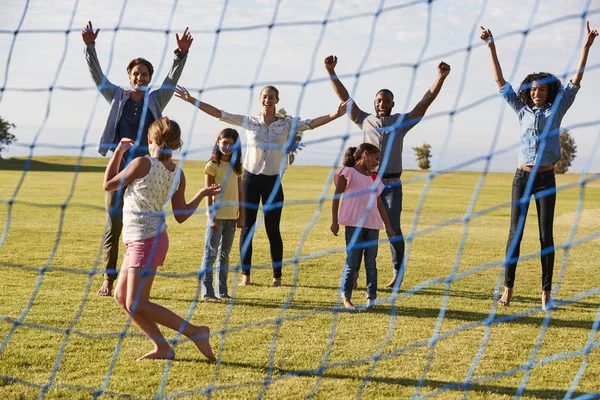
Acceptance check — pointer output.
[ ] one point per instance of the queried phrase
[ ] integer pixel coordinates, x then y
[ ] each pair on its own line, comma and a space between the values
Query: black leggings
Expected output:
258, 188
545, 203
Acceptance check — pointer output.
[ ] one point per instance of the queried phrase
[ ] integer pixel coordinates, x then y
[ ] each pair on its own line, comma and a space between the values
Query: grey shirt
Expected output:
387, 134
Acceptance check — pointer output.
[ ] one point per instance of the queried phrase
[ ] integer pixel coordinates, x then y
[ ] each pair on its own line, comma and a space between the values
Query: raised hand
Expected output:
591, 35
343, 107
183, 94
88, 35
486, 36
124, 144
443, 69
185, 42
330, 63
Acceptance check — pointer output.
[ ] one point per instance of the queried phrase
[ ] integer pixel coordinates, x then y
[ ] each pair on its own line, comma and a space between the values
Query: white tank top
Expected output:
143, 215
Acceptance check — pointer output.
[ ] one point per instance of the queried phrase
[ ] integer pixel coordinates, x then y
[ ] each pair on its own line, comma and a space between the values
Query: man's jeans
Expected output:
218, 244
392, 201
355, 254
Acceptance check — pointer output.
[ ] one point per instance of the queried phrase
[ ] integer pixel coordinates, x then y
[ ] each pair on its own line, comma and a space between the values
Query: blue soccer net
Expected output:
241, 46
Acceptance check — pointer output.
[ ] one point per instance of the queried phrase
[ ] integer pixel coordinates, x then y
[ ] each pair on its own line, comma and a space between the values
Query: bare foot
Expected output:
245, 280
165, 353
546, 299
506, 296
392, 282
200, 337
370, 305
276, 282
210, 300
348, 305
106, 289
355, 283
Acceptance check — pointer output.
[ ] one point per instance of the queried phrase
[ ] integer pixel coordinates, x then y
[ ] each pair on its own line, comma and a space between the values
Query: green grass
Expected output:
42, 234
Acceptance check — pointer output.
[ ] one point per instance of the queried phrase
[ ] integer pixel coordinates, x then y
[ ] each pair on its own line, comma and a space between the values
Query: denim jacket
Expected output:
540, 124
116, 96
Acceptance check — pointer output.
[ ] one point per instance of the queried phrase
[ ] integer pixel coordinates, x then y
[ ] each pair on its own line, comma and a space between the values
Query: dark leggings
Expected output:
545, 202
257, 188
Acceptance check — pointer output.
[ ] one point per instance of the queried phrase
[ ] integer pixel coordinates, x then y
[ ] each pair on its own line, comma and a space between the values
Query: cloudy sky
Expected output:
394, 44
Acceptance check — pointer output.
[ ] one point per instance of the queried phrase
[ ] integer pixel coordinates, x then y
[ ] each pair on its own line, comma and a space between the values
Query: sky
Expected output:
47, 92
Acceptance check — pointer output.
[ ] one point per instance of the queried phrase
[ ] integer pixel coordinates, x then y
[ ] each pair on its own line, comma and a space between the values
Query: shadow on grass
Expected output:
403, 311
406, 382
17, 164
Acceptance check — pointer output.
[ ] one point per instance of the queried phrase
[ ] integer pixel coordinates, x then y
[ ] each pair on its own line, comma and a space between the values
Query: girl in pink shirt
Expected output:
363, 214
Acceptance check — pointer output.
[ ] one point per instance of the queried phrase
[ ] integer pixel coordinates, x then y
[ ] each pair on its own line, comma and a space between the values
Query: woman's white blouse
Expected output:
265, 144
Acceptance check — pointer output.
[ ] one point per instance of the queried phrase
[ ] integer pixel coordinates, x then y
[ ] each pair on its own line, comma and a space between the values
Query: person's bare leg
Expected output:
163, 316
162, 350
546, 298
506, 297
106, 289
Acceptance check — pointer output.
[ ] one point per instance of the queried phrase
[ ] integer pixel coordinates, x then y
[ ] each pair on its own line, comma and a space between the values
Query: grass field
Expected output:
84, 328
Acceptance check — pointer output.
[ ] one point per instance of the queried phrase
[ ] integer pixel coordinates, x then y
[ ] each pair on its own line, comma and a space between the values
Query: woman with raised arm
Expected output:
266, 141
540, 104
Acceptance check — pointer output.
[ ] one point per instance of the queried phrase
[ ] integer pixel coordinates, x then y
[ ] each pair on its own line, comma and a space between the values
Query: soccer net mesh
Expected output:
239, 47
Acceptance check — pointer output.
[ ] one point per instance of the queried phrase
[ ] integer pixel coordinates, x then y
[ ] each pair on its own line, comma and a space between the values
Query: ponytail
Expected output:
353, 154
166, 134
349, 160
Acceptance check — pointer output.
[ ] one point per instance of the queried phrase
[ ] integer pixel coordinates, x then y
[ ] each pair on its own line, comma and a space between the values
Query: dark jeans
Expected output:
392, 201
113, 203
354, 254
545, 204
257, 188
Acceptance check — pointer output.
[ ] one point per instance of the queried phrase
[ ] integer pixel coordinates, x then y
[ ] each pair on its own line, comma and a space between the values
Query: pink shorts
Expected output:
140, 251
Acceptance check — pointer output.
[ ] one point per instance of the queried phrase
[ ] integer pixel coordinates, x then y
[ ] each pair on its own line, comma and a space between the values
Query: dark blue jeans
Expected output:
354, 254
392, 201
545, 204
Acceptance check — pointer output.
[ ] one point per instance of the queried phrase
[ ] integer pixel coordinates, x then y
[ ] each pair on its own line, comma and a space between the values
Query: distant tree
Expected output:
6, 138
568, 150
296, 142
423, 154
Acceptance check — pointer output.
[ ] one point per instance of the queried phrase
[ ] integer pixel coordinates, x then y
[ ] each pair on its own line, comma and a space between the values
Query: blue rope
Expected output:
487, 322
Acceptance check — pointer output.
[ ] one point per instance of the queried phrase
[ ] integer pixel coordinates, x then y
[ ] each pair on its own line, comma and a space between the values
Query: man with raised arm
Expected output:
386, 131
132, 111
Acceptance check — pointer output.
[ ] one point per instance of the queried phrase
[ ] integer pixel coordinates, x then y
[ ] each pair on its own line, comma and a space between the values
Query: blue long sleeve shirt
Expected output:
540, 124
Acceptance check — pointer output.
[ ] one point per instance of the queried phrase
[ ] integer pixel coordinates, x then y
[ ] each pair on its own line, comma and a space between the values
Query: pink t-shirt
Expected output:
359, 190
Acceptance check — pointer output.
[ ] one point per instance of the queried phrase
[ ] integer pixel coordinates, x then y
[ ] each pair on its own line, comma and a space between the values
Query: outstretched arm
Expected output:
488, 38
419, 111
338, 87
591, 35
325, 119
182, 210
184, 95
168, 87
89, 36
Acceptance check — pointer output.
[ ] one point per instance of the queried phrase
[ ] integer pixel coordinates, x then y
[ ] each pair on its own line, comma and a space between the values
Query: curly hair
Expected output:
543, 78
228, 133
